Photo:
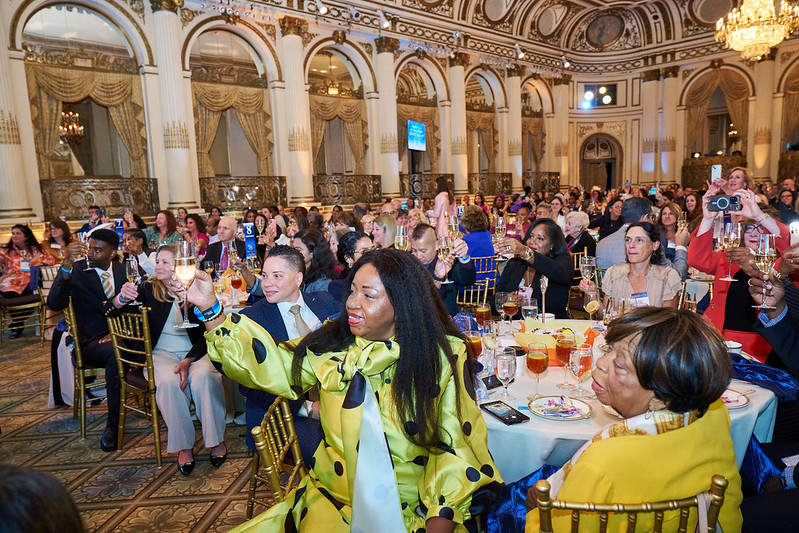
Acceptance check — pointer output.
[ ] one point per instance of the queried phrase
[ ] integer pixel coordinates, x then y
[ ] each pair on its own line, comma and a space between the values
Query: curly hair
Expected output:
674, 208
31, 243
422, 325
323, 264
199, 223
474, 219
653, 233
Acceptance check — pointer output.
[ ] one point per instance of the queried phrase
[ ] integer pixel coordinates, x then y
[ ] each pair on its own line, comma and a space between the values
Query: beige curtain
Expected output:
206, 122
317, 135
736, 95
427, 116
120, 93
486, 123
252, 110
790, 106
697, 102
532, 126
352, 113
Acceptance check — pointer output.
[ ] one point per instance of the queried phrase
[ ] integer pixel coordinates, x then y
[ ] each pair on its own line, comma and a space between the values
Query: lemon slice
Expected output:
592, 306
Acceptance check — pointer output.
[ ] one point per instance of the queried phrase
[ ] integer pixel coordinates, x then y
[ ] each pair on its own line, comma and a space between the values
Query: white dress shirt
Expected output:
288, 318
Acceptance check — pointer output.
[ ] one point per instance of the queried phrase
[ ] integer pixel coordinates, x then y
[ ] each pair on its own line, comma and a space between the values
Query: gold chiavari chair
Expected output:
130, 335
83, 373
473, 296
47, 274
599, 273
22, 308
488, 266
278, 451
718, 487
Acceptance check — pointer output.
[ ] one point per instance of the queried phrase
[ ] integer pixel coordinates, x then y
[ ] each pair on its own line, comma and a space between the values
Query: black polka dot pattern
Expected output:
339, 468
224, 331
441, 500
467, 428
388, 380
472, 474
410, 428
303, 513
420, 460
259, 350
235, 318
488, 470
446, 512
467, 381
388, 344
356, 393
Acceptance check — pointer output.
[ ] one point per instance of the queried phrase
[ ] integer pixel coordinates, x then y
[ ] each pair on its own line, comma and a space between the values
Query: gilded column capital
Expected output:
292, 26
459, 59
564, 79
670, 72
650, 75
386, 45
516, 71
166, 5
339, 36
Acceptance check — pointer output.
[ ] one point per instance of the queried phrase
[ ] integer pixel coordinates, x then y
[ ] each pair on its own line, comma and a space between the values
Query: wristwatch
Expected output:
528, 255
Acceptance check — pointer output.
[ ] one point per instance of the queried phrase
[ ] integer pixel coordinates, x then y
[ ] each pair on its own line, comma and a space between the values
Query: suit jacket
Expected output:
784, 335
213, 251
88, 298
462, 275
157, 314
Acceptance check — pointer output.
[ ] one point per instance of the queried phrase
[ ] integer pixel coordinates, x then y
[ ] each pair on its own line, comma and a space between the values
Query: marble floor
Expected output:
120, 491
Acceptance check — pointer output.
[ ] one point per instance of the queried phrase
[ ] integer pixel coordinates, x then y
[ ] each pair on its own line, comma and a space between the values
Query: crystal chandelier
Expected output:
754, 28
70, 127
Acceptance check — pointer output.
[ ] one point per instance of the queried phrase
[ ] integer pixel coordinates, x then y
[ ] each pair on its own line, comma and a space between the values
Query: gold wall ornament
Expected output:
367, 47
650, 75
514, 148
307, 37
137, 6
231, 18
459, 59
584, 129
228, 74
166, 5
516, 71
459, 146
670, 72
175, 135
668, 144
270, 30
762, 136
9, 131
293, 26
79, 58
298, 140
386, 44
339, 36
649, 146
186, 16
388, 144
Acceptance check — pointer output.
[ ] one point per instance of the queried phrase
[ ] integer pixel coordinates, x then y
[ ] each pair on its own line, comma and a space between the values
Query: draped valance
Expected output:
697, 101
352, 112
790, 108
533, 126
486, 123
50, 86
427, 116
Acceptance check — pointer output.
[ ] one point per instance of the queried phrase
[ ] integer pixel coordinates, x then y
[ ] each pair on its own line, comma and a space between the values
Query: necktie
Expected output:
302, 327
223, 261
108, 289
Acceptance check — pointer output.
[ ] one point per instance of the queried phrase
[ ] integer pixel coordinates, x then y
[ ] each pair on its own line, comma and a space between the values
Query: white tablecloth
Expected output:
696, 288
523, 448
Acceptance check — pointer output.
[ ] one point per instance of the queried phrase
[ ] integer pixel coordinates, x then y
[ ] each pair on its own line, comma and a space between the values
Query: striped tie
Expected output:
302, 325
105, 278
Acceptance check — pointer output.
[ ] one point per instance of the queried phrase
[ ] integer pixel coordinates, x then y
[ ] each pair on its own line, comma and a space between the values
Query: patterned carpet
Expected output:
121, 491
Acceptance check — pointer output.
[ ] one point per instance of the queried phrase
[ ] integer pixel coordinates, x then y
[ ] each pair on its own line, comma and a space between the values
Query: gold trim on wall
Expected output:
459, 146
9, 131
175, 135
298, 140
388, 144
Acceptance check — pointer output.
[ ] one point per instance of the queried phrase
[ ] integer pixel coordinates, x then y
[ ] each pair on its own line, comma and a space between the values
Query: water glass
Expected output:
530, 310
505, 367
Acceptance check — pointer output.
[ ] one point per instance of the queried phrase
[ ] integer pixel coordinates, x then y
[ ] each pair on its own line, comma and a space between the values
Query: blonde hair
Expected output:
749, 176
160, 292
389, 225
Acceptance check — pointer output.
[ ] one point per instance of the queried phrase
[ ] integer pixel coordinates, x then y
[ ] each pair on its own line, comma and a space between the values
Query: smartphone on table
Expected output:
504, 412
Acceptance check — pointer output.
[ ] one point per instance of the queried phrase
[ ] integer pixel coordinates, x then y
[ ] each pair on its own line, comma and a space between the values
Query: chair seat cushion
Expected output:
20, 300
136, 379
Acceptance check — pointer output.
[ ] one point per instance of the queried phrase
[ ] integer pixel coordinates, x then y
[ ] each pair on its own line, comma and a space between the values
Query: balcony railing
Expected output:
332, 189
490, 183
697, 170
72, 196
237, 192
541, 181
425, 185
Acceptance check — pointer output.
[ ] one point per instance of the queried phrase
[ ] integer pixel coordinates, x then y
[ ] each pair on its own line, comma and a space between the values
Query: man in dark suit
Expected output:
92, 292
281, 278
226, 231
458, 267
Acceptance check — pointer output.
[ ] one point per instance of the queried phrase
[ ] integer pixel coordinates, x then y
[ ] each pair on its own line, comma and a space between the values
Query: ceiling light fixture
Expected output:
519, 52
384, 21
565, 62
321, 8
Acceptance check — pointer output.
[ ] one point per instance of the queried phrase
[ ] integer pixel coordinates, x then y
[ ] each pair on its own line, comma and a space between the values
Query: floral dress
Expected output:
458, 482
13, 279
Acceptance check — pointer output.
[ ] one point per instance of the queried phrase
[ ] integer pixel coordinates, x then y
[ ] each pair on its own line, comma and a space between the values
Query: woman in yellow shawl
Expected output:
404, 445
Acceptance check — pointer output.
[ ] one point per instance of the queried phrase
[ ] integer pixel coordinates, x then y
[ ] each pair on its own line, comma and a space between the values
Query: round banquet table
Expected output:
523, 448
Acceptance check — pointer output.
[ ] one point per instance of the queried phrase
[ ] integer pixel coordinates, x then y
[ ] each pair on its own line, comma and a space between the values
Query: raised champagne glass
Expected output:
765, 258
731, 239
587, 267
185, 270
401, 238
682, 221
132, 274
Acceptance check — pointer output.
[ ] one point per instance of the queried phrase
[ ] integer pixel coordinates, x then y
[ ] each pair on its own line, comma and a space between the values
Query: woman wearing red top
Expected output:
734, 295
17, 257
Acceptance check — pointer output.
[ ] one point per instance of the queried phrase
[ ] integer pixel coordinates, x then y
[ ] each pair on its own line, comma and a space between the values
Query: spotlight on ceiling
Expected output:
321, 8
354, 13
589, 95
384, 22
607, 99
565, 62
456, 34
519, 52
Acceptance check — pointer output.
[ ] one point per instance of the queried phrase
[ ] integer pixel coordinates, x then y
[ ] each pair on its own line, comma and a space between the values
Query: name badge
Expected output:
526, 292
25, 265
640, 298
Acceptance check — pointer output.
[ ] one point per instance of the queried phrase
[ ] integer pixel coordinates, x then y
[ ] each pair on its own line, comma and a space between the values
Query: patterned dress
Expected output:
12, 278
457, 483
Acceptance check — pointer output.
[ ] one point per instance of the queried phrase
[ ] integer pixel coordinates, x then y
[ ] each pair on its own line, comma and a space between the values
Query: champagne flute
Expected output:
444, 250
682, 221
132, 274
580, 362
499, 303
765, 257
452, 226
591, 305
83, 237
587, 267
731, 239
260, 225
232, 253
537, 363
499, 227
563, 349
505, 365
401, 239
185, 270
209, 267
490, 342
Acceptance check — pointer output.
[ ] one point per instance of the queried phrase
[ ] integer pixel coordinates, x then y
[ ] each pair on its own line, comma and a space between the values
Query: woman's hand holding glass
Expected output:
129, 292
511, 246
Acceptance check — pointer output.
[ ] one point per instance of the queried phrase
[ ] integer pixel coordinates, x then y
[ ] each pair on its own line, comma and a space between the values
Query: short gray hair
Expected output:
579, 219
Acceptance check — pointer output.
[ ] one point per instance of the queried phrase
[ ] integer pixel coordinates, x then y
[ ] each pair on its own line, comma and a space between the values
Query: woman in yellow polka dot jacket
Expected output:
394, 361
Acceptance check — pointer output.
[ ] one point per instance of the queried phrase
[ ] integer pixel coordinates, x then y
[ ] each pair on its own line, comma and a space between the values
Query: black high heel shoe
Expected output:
217, 460
185, 468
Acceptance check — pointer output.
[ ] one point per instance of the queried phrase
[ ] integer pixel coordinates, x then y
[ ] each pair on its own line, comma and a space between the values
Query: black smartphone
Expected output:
492, 382
504, 412
722, 202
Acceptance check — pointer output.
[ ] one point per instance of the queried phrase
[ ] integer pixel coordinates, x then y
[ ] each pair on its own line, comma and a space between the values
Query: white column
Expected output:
758, 153
649, 125
156, 154
298, 114
670, 168
181, 175
776, 137
387, 87
14, 180
445, 156
457, 93
560, 137
513, 87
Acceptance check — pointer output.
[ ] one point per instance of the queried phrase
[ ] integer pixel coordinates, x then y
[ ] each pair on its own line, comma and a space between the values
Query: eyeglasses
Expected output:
754, 227
389, 212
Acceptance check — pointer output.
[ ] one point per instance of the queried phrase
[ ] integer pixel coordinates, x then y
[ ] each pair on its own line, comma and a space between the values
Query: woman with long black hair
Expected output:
320, 264
396, 400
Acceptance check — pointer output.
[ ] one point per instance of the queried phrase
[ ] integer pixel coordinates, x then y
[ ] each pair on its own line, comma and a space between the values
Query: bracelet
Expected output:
121, 300
210, 313
65, 271
786, 478
528, 255
765, 216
